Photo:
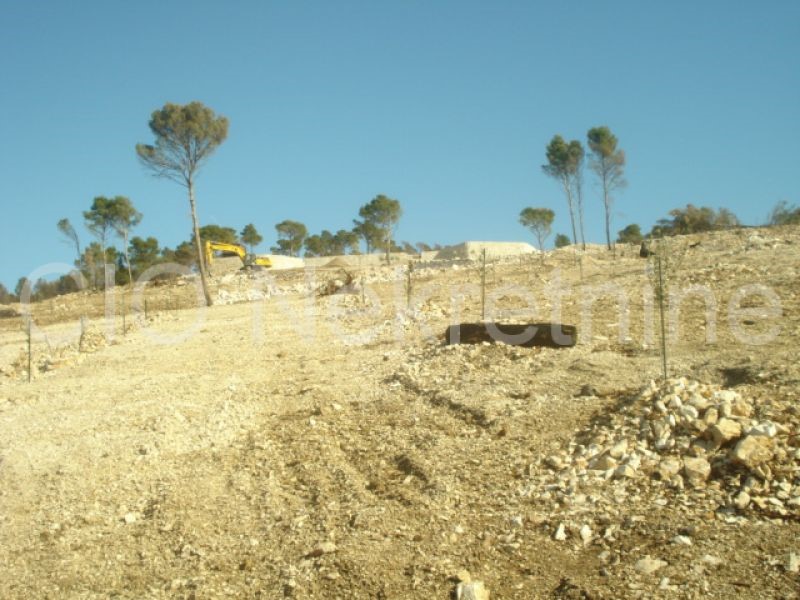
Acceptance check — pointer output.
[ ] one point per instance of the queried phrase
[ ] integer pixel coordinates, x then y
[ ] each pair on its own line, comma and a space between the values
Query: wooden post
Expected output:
30, 346
661, 311
483, 285
409, 284
83, 332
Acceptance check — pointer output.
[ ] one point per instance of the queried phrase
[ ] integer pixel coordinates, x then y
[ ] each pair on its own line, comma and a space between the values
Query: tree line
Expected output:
185, 136
117, 216
691, 219
565, 164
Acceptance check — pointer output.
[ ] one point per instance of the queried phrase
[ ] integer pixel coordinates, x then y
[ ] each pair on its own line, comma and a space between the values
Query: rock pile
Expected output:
238, 296
91, 340
42, 361
704, 446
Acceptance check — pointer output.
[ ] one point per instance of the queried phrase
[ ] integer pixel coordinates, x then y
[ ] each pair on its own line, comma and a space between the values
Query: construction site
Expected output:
317, 432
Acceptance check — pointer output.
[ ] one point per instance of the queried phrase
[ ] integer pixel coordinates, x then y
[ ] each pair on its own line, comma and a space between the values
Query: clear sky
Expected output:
445, 105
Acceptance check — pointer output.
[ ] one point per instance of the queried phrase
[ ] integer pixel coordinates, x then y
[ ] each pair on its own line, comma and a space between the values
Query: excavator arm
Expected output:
226, 249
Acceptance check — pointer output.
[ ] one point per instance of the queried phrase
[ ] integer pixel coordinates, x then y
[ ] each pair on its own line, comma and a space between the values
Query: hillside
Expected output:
287, 444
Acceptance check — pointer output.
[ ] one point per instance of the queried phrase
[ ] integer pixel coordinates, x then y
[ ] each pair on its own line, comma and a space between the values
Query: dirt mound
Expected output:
337, 262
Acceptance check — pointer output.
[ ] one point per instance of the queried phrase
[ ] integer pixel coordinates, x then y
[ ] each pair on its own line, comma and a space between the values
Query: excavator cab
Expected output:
252, 261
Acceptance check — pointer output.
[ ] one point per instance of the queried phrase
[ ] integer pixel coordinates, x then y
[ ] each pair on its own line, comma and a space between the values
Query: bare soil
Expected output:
333, 447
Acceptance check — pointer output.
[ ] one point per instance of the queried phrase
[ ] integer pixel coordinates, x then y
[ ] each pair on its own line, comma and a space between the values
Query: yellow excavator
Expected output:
249, 261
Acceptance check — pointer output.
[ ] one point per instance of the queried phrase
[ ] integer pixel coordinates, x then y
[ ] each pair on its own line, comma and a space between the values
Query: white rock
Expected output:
561, 533
648, 565
742, 500
712, 560
682, 540
696, 470
753, 450
793, 562
625, 471
741, 408
765, 428
725, 395
603, 462
619, 449
725, 430
669, 467
474, 590
699, 402
711, 415
586, 534
664, 444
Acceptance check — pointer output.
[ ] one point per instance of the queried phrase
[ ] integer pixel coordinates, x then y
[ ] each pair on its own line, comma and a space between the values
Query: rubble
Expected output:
658, 444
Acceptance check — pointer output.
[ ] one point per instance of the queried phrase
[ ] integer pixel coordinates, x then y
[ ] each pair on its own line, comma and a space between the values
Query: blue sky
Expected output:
446, 106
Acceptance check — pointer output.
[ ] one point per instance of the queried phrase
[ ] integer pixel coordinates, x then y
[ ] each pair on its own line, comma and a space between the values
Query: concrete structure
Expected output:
494, 250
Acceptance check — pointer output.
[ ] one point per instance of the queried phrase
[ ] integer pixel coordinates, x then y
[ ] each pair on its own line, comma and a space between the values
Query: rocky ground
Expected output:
290, 443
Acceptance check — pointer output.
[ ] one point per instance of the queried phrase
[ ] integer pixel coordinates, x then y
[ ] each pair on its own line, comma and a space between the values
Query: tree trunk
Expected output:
127, 257
607, 205
92, 271
80, 256
105, 267
571, 208
579, 193
541, 247
201, 259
